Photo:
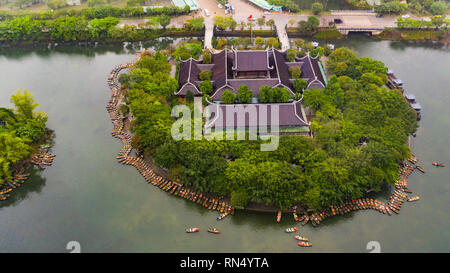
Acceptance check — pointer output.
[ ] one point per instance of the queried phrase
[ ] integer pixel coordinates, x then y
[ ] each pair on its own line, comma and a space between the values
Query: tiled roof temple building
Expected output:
255, 68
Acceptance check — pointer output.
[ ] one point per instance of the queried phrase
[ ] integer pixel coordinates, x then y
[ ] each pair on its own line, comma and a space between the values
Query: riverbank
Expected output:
419, 35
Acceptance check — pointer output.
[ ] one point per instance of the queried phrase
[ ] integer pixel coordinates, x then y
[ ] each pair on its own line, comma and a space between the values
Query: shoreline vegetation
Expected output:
22, 132
342, 125
104, 28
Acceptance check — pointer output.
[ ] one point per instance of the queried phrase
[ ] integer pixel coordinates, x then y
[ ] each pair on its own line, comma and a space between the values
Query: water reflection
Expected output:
90, 50
34, 184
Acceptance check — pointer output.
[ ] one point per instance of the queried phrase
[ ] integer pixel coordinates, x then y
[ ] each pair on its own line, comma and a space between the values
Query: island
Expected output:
340, 136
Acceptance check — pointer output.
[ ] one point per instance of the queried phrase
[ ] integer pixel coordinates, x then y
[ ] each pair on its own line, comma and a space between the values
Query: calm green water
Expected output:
88, 197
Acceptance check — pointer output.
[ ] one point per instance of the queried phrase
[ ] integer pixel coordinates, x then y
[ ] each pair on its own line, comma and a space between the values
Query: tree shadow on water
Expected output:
34, 184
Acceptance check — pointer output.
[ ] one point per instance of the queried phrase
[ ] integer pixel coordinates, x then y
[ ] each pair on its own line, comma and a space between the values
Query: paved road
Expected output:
243, 9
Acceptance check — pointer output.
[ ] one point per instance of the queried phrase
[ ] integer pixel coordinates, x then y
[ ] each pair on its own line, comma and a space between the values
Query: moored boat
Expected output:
214, 230
292, 229
420, 169
300, 238
279, 216
192, 230
304, 244
412, 199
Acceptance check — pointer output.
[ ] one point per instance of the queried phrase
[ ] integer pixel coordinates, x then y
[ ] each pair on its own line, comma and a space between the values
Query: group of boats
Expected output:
143, 167
17, 180
302, 241
43, 157
397, 198
197, 229
396, 83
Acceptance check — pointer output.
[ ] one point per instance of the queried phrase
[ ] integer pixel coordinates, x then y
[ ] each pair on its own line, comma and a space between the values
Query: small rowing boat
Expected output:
292, 229
412, 199
300, 238
214, 230
420, 169
438, 164
304, 244
192, 230
279, 216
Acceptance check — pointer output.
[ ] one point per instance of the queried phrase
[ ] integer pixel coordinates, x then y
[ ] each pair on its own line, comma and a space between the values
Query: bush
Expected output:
190, 96
290, 54
438, 8
317, 8
206, 87
228, 97
205, 75
295, 72
206, 56
196, 24
301, 53
268, 94
309, 25
244, 95
239, 198
300, 85
124, 109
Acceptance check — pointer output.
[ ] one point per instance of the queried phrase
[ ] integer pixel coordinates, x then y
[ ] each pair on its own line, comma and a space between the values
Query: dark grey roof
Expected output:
253, 60
219, 69
289, 115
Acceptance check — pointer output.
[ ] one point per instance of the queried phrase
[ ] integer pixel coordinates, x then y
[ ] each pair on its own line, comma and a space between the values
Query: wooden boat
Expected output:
214, 230
438, 164
305, 221
295, 217
420, 169
292, 229
412, 199
300, 238
222, 216
279, 216
192, 230
304, 244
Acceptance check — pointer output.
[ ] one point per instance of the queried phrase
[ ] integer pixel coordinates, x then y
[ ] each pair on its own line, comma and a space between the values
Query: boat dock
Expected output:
144, 168
396, 83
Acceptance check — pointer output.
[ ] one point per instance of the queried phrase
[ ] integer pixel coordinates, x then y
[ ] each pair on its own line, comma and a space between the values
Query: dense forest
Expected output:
360, 129
20, 128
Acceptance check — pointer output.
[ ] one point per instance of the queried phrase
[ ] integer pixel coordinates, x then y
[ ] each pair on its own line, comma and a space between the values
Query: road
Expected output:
243, 9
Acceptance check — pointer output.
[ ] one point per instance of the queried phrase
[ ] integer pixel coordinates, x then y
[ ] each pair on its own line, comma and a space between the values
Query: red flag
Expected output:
250, 17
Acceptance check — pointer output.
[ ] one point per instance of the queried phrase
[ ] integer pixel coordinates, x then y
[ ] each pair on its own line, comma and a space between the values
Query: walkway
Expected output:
209, 31
282, 34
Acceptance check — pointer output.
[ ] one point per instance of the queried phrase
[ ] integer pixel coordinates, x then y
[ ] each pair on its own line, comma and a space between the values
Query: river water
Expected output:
86, 196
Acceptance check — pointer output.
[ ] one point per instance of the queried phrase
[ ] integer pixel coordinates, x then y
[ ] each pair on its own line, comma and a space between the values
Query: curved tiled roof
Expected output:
226, 115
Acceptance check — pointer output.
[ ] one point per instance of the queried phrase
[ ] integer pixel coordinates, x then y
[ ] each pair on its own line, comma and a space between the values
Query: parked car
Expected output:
406, 16
379, 15
220, 6
337, 21
207, 12
267, 12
